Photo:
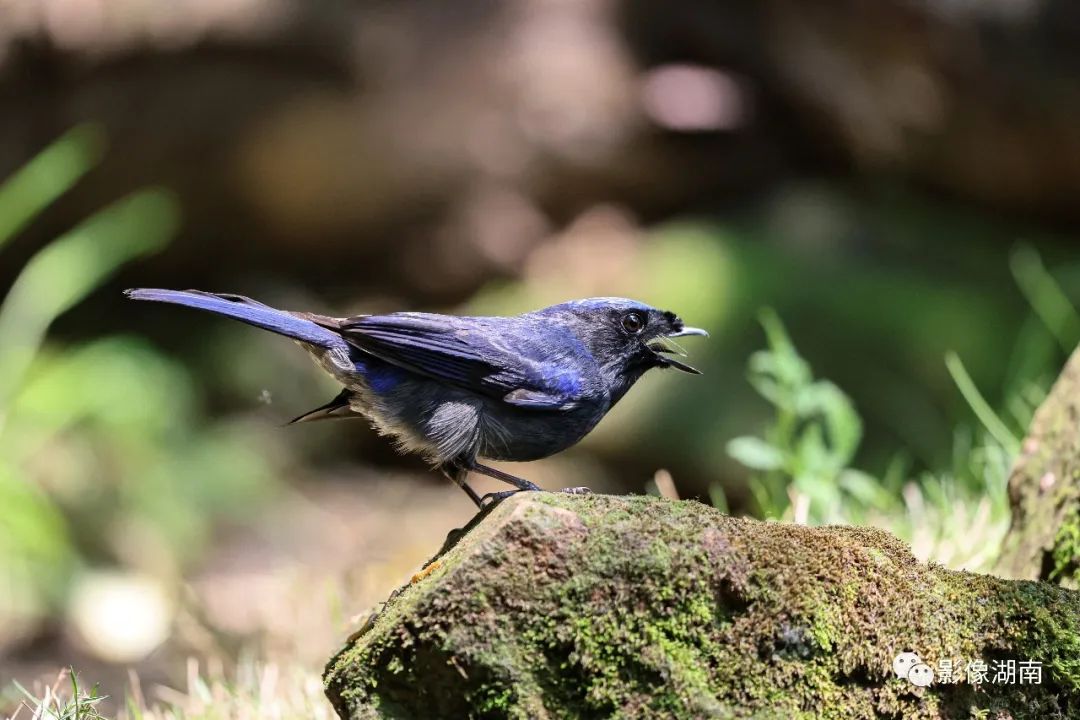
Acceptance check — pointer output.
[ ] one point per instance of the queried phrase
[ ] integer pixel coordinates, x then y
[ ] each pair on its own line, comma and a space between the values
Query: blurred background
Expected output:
871, 206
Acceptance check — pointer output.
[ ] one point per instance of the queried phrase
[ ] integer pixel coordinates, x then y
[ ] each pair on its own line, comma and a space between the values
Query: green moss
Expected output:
559, 606
1066, 550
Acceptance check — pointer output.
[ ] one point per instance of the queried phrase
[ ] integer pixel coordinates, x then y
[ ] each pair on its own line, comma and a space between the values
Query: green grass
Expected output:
63, 700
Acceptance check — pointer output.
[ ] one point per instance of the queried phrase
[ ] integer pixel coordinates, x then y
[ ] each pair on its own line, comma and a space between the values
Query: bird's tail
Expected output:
245, 310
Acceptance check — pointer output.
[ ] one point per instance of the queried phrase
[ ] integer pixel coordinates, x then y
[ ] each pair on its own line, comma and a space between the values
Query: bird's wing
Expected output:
465, 353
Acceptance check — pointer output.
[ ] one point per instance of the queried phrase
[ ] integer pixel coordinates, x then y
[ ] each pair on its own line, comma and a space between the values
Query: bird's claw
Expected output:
493, 498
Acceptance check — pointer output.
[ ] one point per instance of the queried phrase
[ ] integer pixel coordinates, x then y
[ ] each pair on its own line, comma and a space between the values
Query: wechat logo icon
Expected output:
909, 666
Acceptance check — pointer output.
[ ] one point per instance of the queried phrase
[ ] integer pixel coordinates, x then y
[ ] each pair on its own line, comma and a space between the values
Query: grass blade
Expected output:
49, 175
1046, 297
71, 267
979, 406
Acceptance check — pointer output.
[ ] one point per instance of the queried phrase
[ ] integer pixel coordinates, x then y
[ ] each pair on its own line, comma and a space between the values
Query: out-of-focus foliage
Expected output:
810, 443
802, 467
104, 458
955, 515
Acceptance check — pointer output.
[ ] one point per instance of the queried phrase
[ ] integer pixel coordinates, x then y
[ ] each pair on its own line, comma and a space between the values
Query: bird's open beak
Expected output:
665, 360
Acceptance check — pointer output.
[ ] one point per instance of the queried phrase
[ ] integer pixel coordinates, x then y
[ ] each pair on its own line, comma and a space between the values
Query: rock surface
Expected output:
558, 606
1044, 490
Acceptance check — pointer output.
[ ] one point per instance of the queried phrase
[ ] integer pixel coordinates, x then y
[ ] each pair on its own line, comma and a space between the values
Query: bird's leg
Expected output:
458, 473
494, 497
517, 482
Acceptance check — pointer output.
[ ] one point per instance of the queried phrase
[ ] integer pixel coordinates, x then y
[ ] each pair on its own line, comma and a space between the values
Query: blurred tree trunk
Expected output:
1044, 490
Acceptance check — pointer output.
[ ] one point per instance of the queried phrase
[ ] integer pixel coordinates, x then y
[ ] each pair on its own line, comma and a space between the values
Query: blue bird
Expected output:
458, 389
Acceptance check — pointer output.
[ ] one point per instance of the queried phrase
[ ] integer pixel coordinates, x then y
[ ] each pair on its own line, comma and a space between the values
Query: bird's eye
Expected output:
633, 322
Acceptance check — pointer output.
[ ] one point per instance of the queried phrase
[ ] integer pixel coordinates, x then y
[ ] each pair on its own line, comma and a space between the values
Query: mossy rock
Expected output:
561, 606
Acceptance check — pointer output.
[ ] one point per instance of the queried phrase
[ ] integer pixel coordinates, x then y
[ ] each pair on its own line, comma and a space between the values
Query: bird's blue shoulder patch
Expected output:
568, 384
381, 377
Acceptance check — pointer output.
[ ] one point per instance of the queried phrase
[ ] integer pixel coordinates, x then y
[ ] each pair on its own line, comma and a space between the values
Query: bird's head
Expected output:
626, 337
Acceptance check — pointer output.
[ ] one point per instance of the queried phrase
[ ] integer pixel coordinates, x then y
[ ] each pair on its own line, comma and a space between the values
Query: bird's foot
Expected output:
494, 498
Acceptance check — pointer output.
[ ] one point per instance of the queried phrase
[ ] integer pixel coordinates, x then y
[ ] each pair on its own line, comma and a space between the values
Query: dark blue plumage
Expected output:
456, 389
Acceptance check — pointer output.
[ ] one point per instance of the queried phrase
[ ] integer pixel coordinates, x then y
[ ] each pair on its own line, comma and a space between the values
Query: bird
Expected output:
460, 389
